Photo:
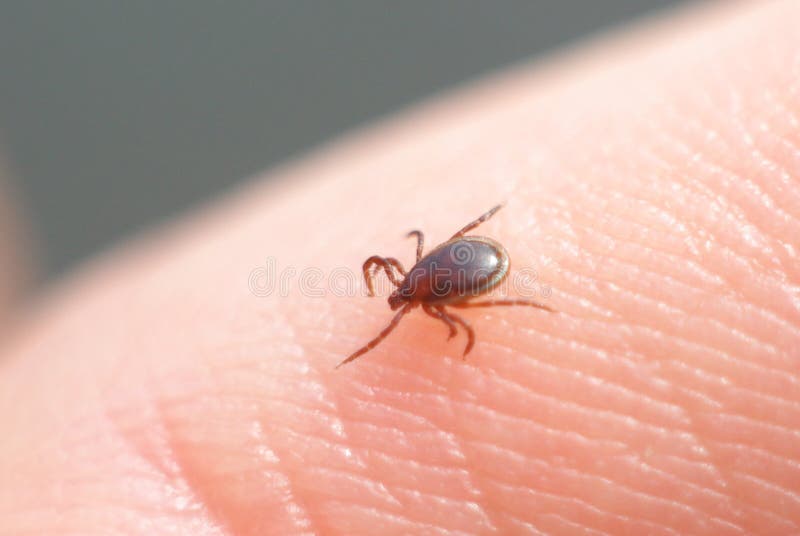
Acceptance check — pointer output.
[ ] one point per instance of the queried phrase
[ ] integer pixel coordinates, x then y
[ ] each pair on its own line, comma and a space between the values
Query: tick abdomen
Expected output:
461, 268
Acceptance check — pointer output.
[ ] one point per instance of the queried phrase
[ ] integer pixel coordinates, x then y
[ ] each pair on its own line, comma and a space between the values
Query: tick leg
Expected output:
387, 265
397, 266
435, 313
420, 242
470, 226
464, 324
382, 335
492, 303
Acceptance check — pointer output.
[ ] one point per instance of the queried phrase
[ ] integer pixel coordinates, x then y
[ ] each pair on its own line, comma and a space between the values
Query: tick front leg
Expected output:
447, 317
387, 265
420, 242
471, 225
435, 313
503, 302
382, 335
397, 266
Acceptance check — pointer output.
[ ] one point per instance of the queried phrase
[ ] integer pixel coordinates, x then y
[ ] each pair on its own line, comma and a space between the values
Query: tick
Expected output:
451, 275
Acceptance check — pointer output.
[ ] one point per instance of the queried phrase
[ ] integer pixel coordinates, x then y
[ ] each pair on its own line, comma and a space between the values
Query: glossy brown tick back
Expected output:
454, 272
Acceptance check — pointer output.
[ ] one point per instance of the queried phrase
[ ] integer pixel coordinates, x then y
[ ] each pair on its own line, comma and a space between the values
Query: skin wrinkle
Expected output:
768, 506
633, 365
158, 462
300, 504
716, 197
426, 475
744, 418
788, 442
573, 526
697, 438
329, 395
430, 505
571, 373
385, 492
573, 407
485, 512
726, 475
473, 490
477, 485
298, 514
439, 469
751, 143
596, 381
333, 413
726, 173
782, 410
775, 403
673, 504
765, 373
713, 458
665, 308
576, 496
701, 473
714, 494
390, 500
529, 527
390, 414
136, 478
706, 277
572, 502
86, 433
168, 407
785, 494
180, 471
520, 453
274, 477
410, 527
656, 301
673, 140
153, 448
646, 398
544, 429
566, 273
731, 146
594, 474
710, 276
585, 249
542, 397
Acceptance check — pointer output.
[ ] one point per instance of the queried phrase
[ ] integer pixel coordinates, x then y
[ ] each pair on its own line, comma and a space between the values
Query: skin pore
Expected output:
651, 180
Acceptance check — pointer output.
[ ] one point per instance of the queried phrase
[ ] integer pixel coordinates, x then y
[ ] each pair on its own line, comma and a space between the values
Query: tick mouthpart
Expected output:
396, 301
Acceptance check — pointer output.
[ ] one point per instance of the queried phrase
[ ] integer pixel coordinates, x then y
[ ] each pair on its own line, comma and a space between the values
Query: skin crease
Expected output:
651, 180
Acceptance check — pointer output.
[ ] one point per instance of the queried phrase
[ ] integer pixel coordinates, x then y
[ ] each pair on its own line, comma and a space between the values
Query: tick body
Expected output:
451, 275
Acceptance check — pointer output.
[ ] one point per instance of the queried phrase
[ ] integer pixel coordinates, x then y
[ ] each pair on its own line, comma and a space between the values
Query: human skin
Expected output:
650, 180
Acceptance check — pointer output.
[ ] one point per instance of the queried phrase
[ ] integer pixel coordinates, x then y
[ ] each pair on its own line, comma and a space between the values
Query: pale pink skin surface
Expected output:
652, 180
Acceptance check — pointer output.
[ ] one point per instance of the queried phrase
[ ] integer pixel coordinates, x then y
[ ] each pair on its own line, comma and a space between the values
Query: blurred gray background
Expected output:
117, 114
